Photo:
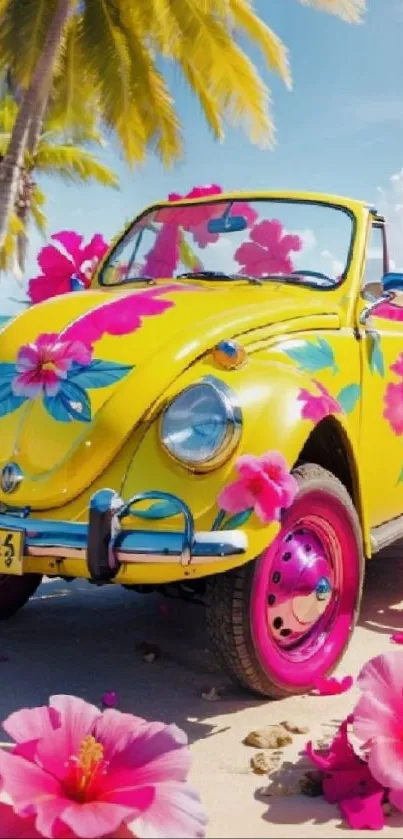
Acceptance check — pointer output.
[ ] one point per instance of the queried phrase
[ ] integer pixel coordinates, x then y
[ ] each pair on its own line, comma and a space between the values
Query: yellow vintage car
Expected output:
236, 354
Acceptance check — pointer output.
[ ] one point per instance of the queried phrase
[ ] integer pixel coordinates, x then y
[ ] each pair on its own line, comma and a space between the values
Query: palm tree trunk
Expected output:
35, 97
34, 133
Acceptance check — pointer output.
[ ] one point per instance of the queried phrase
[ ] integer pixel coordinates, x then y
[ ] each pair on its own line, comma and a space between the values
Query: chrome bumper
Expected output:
104, 545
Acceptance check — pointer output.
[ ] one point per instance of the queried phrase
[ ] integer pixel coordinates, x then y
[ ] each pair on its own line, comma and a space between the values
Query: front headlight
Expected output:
201, 427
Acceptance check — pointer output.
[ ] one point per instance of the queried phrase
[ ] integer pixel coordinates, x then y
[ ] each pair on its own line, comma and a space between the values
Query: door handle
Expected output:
367, 312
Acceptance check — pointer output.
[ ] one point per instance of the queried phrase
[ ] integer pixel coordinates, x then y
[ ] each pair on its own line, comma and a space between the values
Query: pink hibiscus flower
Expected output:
265, 484
44, 363
318, 406
348, 782
59, 266
77, 769
393, 402
378, 721
268, 251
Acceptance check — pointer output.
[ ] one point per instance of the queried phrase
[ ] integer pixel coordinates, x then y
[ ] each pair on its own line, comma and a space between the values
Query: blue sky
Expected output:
339, 130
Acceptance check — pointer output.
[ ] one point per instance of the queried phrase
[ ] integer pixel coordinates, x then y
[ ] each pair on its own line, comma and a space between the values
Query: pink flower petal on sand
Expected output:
397, 637
333, 686
364, 811
110, 699
348, 782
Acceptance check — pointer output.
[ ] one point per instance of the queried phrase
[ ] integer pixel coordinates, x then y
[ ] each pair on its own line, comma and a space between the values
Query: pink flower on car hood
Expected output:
264, 484
44, 363
77, 769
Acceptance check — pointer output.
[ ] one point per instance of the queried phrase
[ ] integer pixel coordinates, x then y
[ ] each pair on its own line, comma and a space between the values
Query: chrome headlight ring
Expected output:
202, 426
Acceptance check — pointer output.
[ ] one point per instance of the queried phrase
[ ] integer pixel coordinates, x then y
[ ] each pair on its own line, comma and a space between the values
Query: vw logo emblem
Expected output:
11, 477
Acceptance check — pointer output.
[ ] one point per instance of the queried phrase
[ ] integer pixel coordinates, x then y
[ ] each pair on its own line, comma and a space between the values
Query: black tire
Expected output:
15, 592
229, 598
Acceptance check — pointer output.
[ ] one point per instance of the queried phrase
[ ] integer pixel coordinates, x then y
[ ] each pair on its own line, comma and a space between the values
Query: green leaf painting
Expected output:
348, 397
376, 360
312, 356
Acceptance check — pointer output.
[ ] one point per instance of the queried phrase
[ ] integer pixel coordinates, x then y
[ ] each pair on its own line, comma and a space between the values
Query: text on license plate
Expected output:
11, 551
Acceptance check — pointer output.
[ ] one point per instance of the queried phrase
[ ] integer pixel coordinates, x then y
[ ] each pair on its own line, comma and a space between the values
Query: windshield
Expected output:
293, 241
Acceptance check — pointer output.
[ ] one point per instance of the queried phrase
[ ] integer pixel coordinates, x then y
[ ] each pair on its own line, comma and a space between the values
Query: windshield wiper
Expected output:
217, 275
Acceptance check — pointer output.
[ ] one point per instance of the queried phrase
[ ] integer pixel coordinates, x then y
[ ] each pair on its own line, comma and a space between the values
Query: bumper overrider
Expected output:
106, 545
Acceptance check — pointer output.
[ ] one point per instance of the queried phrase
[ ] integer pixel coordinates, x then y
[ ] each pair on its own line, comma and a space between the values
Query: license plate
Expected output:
11, 551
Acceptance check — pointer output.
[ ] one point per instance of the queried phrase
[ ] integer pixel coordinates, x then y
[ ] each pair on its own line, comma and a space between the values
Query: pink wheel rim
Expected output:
305, 592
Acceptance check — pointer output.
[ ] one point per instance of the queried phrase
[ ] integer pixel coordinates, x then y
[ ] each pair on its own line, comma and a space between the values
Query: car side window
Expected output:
375, 263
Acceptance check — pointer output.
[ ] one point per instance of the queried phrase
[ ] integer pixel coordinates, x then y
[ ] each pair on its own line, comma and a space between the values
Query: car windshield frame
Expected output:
300, 280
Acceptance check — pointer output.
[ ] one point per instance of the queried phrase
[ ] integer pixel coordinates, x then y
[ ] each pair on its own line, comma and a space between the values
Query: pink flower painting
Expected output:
393, 406
78, 772
42, 365
264, 485
68, 267
268, 251
316, 406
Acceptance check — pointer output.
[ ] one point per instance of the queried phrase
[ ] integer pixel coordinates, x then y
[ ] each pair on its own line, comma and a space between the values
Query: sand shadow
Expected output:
78, 639
382, 604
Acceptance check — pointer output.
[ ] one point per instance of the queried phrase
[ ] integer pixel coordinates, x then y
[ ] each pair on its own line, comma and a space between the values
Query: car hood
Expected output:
78, 372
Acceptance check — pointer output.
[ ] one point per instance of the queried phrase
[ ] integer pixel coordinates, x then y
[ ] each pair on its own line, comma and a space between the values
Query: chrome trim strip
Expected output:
69, 540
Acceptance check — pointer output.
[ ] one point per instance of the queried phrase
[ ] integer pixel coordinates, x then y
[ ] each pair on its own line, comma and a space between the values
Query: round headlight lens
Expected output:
200, 425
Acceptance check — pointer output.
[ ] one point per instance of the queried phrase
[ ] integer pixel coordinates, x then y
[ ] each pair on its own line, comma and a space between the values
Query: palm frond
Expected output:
270, 44
229, 75
349, 10
23, 30
154, 102
73, 106
8, 251
108, 61
8, 114
73, 164
38, 201
208, 103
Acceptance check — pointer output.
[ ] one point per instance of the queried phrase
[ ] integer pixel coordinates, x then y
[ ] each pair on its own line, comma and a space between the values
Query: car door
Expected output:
380, 328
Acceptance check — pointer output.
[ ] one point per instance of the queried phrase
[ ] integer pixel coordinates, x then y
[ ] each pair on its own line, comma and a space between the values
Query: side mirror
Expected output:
392, 281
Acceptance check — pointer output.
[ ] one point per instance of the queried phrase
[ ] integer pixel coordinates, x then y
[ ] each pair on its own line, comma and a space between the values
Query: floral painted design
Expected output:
317, 406
59, 372
66, 268
121, 316
312, 356
265, 485
268, 251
